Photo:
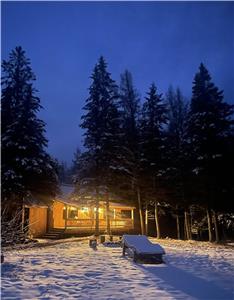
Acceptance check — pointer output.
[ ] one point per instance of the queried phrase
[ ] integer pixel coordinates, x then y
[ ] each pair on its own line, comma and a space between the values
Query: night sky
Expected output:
162, 42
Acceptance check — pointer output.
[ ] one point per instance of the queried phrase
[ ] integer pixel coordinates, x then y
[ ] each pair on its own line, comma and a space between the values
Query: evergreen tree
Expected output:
210, 131
131, 163
129, 106
102, 125
75, 168
154, 118
26, 167
177, 153
63, 172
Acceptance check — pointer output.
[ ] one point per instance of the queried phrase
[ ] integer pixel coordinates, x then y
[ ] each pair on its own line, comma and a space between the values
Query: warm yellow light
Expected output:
73, 208
84, 208
100, 209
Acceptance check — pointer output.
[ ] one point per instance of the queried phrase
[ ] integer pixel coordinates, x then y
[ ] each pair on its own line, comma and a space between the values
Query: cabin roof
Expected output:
78, 203
33, 200
68, 196
66, 191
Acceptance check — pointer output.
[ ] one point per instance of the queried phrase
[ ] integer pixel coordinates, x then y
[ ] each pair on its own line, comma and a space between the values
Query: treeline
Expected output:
157, 151
164, 151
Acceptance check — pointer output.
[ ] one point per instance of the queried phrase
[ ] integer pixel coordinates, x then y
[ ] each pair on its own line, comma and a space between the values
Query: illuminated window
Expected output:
123, 214
84, 213
72, 212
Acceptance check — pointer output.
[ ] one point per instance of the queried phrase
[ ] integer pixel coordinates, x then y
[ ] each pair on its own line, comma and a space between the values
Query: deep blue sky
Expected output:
162, 42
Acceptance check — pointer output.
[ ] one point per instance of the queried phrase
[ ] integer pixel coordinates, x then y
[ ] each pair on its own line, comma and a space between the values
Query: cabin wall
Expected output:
37, 221
58, 220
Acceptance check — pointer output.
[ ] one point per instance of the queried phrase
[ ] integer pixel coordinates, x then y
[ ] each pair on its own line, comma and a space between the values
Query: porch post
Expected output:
107, 214
114, 221
66, 217
132, 217
146, 219
97, 213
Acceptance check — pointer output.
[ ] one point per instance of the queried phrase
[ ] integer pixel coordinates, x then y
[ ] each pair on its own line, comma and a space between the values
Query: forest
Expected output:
162, 152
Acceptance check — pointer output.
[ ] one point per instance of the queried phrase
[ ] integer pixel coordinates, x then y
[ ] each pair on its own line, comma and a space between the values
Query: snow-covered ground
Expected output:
74, 271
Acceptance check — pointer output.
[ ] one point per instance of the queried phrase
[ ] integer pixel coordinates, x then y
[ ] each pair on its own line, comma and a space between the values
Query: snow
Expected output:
142, 244
67, 190
75, 271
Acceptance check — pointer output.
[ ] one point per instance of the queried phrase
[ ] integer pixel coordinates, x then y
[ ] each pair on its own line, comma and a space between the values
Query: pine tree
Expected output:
154, 118
209, 130
102, 125
63, 172
26, 167
69, 175
177, 152
131, 165
129, 103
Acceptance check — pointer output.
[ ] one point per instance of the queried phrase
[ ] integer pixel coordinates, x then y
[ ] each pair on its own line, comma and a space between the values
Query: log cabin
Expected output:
71, 215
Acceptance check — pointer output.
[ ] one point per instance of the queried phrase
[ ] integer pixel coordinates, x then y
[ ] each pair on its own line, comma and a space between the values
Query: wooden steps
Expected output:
54, 234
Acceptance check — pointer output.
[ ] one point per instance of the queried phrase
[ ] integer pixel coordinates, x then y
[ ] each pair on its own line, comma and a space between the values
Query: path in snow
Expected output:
75, 271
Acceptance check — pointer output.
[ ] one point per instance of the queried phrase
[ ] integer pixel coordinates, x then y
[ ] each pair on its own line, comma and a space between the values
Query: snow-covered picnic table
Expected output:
76, 271
141, 248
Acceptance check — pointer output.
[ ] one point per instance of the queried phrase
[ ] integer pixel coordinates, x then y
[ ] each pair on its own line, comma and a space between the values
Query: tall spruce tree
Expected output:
26, 167
154, 118
130, 109
177, 154
75, 168
209, 130
102, 135
129, 105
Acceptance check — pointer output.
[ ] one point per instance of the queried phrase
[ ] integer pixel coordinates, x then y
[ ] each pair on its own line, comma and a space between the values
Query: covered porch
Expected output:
80, 218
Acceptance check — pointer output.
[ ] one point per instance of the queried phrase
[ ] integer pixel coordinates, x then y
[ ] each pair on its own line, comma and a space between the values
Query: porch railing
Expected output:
90, 223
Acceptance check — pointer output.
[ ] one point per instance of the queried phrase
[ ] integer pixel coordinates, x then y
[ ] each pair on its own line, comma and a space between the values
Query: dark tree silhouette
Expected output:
102, 125
130, 109
178, 156
154, 118
209, 131
26, 167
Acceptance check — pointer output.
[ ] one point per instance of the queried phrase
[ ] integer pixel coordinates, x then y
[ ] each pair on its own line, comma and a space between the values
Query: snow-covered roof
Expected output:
68, 196
115, 204
66, 191
79, 202
36, 201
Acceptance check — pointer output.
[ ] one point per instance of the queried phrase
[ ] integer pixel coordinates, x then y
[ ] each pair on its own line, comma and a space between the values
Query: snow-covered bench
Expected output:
140, 248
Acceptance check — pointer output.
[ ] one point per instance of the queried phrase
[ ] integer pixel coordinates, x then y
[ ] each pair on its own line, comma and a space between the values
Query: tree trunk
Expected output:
187, 226
146, 219
215, 218
97, 213
157, 221
107, 214
140, 210
178, 224
224, 235
190, 224
23, 218
209, 221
